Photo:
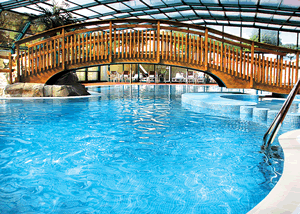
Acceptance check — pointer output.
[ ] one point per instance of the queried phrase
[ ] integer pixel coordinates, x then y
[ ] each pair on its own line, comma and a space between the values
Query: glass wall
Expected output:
288, 39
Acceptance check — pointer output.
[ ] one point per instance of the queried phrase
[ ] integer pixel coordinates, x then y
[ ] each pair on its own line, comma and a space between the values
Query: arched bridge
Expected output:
234, 61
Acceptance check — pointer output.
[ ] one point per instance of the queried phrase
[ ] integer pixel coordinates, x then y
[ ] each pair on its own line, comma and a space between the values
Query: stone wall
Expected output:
39, 90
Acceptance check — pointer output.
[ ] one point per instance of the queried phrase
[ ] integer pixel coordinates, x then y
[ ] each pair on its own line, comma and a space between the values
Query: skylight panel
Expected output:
106, 17
274, 26
210, 21
45, 6
231, 2
290, 3
82, 2
209, 2
26, 10
198, 21
102, 9
122, 15
119, 6
235, 22
136, 4
261, 24
248, 2
187, 13
217, 13
145, 17
154, 11
281, 17
202, 12
222, 22
159, 16
264, 16
74, 15
270, 3
172, 2
232, 14
192, 1
295, 19
85, 12
248, 14
174, 15
154, 3
285, 27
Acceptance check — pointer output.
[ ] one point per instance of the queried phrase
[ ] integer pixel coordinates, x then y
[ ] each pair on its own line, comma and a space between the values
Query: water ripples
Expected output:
128, 152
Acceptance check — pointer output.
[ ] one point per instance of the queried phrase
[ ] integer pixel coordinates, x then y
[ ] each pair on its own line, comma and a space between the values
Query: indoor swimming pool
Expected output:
133, 149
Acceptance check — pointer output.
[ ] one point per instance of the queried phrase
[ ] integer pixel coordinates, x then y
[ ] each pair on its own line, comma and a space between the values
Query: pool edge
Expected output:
285, 196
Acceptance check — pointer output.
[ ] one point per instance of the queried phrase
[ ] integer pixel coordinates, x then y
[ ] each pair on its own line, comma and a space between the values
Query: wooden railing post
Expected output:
63, 63
206, 48
252, 65
18, 63
110, 41
10, 68
158, 42
297, 65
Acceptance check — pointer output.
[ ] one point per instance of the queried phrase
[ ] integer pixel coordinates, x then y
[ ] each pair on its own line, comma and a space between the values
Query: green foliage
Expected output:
267, 36
55, 17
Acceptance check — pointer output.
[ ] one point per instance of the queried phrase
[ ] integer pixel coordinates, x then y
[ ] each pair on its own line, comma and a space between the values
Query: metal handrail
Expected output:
276, 124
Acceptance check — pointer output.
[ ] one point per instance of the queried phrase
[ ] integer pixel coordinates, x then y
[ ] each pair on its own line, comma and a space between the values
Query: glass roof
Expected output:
265, 14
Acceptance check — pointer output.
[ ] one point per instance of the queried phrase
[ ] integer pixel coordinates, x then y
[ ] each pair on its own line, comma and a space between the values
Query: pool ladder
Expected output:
276, 124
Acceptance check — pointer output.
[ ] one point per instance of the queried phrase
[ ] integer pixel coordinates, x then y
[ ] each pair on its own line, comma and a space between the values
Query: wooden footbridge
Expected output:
232, 61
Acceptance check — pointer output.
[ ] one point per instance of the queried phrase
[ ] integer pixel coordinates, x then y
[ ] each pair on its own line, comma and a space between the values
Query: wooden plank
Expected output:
126, 44
221, 58
229, 60
171, 46
297, 65
237, 62
106, 45
134, 44
138, 38
119, 45
153, 45
182, 45
158, 41
252, 60
130, 44
198, 50
143, 44
115, 44
163, 45
167, 45
174, 47
63, 51
94, 48
110, 49
186, 48
178, 47
146, 48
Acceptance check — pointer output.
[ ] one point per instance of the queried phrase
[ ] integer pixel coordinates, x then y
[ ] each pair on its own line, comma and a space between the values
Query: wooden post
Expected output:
206, 47
10, 67
252, 65
63, 63
18, 63
297, 65
158, 43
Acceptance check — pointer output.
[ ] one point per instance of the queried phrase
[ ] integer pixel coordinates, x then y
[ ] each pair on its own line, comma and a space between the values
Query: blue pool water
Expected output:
135, 149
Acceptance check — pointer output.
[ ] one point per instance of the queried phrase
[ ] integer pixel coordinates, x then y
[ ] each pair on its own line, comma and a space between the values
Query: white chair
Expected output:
190, 77
136, 78
126, 76
178, 78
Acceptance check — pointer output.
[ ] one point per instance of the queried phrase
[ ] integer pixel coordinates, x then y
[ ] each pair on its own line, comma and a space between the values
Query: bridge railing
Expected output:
155, 41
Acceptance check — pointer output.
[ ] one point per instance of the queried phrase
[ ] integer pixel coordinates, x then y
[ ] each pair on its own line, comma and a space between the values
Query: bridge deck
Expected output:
234, 61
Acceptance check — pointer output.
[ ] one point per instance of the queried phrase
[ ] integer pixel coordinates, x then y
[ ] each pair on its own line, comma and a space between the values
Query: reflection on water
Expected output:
132, 150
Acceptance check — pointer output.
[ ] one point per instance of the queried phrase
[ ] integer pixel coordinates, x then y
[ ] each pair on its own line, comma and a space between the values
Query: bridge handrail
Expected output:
162, 22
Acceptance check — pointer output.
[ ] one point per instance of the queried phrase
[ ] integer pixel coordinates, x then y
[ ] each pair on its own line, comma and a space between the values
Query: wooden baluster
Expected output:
226, 60
115, 43
281, 71
186, 48
182, 45
267, 71
241, 62
259, 69
63, 51
229, 60
171, 46
237, 62
284, 74
244, 65
297, 65
94, 46
197, 49
221, 58
248, 66
293, 74
277, 72
81, 55
174, 48
289, 74
119, 44
189, 49
110, 48
262, 70
106, 45
163, 45
36, 60
209, 50
126, 44
232, 61
153, 41
218, 56
178, 47
134, 44
130, 44
143, 44
255, 77
146, 44
40, 60
271, 71
202, 56
158, 42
